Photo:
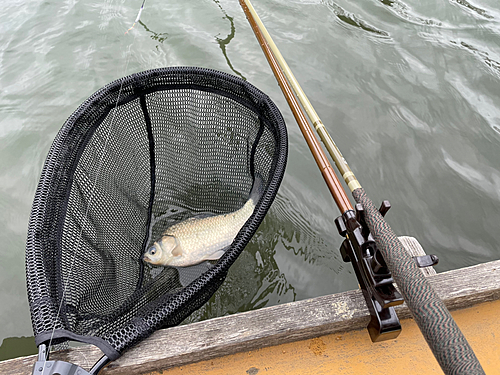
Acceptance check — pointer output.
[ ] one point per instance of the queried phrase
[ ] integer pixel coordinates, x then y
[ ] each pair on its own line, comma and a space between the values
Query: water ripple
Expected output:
488, 181
404, 11
483, 105
491, 63
464, 4
354, 20
223, 43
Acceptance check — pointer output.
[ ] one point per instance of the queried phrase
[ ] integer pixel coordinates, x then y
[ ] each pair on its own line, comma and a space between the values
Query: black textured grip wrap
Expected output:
448, 344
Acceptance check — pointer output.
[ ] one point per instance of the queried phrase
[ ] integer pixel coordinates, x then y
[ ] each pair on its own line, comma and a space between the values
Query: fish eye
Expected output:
152, 250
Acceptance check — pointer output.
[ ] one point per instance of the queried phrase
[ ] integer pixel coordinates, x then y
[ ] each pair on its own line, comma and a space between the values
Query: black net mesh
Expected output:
141, 154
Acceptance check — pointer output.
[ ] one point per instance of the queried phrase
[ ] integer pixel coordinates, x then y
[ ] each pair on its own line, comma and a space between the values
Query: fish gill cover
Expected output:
142, 154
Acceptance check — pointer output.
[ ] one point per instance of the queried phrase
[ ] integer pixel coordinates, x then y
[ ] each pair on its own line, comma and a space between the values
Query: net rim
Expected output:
50, 172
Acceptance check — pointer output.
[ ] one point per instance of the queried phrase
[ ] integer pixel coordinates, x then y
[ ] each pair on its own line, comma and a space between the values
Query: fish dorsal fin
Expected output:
215, 255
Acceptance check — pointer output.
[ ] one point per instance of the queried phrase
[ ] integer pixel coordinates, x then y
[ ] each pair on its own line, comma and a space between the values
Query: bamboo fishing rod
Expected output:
449, 346
327, 140
331, 179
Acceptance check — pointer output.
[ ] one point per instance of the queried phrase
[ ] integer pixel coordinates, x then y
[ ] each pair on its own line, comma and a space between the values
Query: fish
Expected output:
195, 240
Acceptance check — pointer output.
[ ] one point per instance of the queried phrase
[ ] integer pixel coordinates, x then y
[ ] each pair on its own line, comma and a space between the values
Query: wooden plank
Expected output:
271, 326
354, 353
415, 249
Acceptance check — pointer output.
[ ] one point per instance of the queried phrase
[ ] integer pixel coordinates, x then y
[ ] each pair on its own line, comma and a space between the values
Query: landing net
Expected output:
141, 154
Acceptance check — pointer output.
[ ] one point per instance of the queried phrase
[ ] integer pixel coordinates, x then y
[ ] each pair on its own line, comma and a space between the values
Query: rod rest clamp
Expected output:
374, 278
57, 367
45, 367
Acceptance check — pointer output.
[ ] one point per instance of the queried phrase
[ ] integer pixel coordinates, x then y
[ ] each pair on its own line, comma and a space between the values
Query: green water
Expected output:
409, 91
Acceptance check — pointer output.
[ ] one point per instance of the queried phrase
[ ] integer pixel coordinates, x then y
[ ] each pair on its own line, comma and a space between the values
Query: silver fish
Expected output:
198, 239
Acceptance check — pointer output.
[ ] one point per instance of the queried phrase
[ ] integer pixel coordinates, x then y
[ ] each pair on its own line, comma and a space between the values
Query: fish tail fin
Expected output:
257, 188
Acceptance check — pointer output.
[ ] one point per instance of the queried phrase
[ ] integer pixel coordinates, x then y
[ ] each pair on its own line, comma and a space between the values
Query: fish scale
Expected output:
203, 239
198, 239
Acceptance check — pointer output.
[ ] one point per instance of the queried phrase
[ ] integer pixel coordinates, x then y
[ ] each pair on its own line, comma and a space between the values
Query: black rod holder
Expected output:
374, 278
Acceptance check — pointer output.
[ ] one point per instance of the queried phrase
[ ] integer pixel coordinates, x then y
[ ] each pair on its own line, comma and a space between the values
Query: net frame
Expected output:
44, 284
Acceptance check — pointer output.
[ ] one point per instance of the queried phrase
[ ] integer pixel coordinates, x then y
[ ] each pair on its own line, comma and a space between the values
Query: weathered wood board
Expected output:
353, 353
274, 325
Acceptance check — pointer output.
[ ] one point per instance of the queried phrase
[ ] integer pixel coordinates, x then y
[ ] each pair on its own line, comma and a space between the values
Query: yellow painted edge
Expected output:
354, 353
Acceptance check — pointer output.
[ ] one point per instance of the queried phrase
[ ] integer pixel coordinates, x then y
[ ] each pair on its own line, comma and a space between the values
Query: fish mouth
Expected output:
147, 258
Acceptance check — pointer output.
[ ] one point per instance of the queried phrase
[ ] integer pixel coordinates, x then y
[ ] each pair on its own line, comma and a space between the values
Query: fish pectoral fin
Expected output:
171, 243
215, 255
177, 251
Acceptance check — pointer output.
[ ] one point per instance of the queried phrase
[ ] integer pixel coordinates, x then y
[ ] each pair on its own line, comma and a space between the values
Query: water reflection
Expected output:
404, 11
160, 37
472, 8
483, 56
224, 42
354, 20
482, 179
13, 347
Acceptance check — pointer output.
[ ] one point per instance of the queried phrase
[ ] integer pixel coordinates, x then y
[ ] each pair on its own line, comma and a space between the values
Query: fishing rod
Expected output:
327, 171
380, 295
327, 140
370, 245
